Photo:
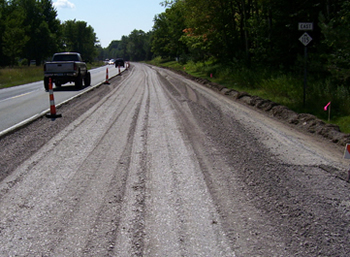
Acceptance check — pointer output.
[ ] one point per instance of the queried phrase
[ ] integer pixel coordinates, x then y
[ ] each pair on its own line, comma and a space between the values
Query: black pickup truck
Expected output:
66, 67
119, 62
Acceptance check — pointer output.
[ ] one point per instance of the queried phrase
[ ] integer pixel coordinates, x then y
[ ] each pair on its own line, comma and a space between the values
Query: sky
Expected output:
110, 19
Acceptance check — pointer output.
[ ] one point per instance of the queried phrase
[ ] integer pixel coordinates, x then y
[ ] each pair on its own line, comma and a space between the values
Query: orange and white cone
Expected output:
52, 114
106, 82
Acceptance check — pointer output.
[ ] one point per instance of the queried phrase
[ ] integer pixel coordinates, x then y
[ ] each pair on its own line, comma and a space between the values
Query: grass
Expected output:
10, 77
15, 76
282, 88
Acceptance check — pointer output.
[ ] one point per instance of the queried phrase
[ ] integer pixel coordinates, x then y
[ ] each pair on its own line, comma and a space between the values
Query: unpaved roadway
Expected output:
158, 165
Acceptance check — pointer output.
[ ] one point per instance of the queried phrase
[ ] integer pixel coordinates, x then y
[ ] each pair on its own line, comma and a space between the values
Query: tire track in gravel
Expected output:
277, 196
113, 147
220, 177
74, 183
129, 237
109, 218
162, 167
181, 219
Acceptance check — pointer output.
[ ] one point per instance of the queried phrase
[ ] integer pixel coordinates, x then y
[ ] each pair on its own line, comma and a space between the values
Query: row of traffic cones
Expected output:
53, 115
127, 65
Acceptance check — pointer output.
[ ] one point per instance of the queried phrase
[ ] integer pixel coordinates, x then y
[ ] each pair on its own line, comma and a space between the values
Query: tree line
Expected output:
253, 33
247, 33
134, 47
242, 33
30, 31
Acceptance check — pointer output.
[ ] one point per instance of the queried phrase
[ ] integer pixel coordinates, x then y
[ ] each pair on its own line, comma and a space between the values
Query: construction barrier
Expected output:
107, 79
52, 114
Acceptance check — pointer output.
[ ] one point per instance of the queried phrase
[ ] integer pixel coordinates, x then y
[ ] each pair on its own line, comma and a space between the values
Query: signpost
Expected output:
305, 39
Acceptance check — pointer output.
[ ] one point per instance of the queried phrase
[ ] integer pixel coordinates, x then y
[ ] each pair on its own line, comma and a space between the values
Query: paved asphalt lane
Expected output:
20, 103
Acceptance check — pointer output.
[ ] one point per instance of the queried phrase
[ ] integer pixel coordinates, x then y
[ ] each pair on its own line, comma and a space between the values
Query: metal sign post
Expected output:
305, 39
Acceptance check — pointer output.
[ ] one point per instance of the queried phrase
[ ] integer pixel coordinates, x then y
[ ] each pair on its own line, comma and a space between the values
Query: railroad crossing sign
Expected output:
305, 39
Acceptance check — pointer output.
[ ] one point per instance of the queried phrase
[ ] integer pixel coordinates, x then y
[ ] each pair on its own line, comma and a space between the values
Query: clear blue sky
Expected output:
110, 19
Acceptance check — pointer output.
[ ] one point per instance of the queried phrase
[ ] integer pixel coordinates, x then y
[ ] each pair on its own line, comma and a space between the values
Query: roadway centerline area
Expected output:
17, 96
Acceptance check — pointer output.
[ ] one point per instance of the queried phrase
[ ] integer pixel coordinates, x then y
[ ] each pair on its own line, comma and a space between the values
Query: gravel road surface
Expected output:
158, 165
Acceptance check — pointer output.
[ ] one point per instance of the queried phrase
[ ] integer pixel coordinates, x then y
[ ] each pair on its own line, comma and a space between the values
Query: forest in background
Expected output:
252, 45
250, 33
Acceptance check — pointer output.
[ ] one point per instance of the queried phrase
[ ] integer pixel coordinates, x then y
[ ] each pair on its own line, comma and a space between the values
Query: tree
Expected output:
79, 37
167, 31
135, 46
41, 27
336, 31
4, 9
14, 37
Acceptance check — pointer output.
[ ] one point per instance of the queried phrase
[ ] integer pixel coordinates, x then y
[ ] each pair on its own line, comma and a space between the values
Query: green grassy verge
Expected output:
10, 77
279, 87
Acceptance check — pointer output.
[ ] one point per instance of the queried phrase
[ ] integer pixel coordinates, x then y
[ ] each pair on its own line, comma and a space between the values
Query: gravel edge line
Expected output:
302, 121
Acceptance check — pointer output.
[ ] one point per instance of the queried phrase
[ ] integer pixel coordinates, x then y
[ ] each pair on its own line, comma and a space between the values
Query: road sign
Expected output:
305, 26
347, 152
305, 39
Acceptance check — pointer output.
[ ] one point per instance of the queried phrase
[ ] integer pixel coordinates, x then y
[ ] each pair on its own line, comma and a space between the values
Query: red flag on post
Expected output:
325, 108
329, 110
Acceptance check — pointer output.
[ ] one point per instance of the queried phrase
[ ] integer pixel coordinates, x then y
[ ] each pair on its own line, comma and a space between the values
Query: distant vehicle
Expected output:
119, 62
66, 67
111, 61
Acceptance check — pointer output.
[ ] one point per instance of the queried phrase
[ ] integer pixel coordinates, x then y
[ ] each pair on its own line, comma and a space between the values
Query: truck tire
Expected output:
87, 79
46, 83
79, 82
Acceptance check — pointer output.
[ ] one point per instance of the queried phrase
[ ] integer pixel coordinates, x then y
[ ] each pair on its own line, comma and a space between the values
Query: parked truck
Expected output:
66, 67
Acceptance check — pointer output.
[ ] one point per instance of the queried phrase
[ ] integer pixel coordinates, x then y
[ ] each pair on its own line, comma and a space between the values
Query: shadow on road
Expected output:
68, 88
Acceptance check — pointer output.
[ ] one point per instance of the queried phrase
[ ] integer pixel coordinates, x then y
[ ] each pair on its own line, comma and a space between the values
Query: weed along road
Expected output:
157, 165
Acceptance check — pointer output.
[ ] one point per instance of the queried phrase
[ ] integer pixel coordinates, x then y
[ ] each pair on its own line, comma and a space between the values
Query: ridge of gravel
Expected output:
302, 121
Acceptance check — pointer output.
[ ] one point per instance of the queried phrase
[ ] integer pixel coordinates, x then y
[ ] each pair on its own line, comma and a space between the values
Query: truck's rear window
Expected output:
65, 57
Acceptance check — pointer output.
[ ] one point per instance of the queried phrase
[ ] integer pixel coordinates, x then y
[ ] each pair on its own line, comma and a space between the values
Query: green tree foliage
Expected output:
134, 47
213, 28
29, 29
255, 33
117, 49
3, 14
336, 31
167, 31
79, 37
14, 38
41, 28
